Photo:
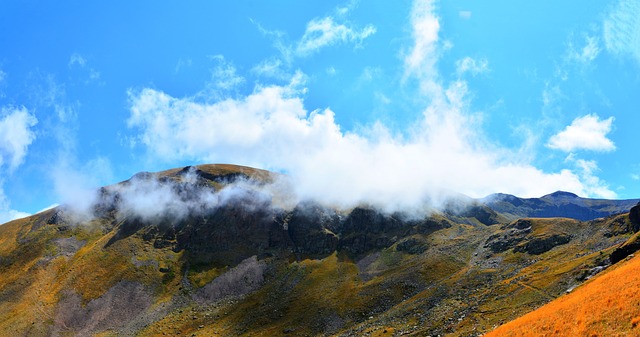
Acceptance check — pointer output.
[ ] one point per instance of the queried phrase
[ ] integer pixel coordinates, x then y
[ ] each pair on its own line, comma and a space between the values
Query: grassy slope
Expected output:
449, 288
608, 305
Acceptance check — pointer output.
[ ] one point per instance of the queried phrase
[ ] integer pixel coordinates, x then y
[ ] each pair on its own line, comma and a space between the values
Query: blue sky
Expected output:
355, 100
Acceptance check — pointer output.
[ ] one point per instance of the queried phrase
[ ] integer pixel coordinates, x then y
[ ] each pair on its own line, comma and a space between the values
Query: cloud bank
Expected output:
271, 128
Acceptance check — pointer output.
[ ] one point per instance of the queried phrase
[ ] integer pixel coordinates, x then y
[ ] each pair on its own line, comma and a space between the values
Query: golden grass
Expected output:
606, 306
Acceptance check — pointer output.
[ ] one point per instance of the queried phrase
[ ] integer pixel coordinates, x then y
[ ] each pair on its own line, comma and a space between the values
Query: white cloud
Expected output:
271, 128
326, 32
585, 133
621, 29
15, 135
472, 66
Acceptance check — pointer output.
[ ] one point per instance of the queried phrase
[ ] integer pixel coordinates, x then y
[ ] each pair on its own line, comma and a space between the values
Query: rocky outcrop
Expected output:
243, 279
116, 308
412, 246
365, 229
482, 213
633, 244
512, 235
519, 236
540, 244
634, 217
313, 230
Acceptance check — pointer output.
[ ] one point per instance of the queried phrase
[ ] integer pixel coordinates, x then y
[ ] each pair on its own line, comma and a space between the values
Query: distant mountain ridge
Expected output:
558, 204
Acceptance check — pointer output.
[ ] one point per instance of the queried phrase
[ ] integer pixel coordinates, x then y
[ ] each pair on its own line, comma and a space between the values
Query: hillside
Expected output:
607, 306
211, 251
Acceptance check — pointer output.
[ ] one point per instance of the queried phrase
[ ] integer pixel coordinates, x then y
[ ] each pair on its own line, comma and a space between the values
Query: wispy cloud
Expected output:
621, 29
472, 66
420, 61
224, 75
585, 133
319, 33
271, 68
77, 59
369, 74
73, 180
587, 170
586, 54
182, 64
325, 32
348, 7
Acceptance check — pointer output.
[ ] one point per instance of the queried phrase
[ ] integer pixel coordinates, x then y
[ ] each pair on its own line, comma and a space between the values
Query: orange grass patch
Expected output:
606, 306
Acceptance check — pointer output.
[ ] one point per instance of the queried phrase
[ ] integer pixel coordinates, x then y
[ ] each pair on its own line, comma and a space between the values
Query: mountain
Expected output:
557, 204
211, 251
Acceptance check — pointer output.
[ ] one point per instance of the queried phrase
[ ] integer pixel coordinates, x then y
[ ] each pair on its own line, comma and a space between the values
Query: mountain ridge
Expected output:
238, 263
556, 204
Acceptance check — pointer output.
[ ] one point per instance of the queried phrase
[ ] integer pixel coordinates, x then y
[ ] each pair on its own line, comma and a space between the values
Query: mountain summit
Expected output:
561, 194
211, 250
